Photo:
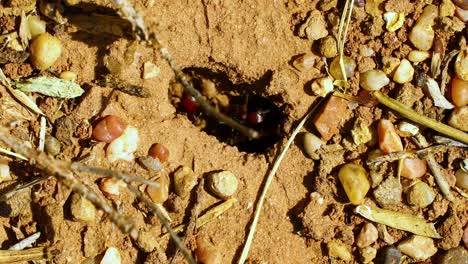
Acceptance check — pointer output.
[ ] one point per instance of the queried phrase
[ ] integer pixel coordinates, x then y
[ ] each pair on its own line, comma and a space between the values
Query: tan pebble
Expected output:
161, 193
422, 34
68, 75
223, 184
459, 118
111, 187
354, 179
304, 62
82, 209
36, 26
368, 254
349, 66
462, 179
373, 80
328, 47
404, 73
147, 241
420, 195
458, 255
315, 26
184, 181
338, 249
44, 51
367, 235
208, 88
418, 56
419, 248
312, 143
206, 253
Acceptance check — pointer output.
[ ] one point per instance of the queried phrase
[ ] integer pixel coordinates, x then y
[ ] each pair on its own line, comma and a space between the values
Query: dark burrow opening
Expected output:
243, 102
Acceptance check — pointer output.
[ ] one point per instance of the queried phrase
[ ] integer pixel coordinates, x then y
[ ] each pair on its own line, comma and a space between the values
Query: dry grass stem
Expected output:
269, 179
449, 142
434, 167
42, 134
207, 217
31, 254
412, 115
422, 153
13, 154
21, 186
343, 32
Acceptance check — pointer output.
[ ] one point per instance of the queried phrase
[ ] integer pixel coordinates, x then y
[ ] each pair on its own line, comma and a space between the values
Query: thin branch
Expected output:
431, 162
269, 179
422, 153
412, 115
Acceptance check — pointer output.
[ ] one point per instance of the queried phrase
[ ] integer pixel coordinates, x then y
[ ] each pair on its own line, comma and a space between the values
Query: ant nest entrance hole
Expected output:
243, 102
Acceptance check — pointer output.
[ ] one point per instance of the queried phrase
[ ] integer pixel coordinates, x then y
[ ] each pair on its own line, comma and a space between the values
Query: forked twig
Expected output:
269, 179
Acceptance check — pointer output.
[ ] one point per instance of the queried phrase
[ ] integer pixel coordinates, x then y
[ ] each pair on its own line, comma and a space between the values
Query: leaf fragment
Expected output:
439, 99
20, 96
402, 221
24, 32
50, 86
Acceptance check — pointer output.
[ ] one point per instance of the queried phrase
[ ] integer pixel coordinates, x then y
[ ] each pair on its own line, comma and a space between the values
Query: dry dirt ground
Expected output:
245, 40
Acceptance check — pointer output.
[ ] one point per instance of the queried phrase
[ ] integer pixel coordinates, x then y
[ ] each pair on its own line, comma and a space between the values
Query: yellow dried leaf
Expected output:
402, 221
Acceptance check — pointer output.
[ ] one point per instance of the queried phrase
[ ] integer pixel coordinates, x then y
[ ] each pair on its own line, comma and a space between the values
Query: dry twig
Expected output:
12, 256
28, 241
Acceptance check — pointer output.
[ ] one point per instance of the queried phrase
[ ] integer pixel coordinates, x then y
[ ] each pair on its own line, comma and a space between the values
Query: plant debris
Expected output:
50, 86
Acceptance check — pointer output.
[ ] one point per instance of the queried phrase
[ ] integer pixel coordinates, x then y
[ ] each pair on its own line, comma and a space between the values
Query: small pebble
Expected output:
420, 195
312, 143
389, 141
206, 252
328, 47
304, 62
458, 118
44, 50
36, 26
394, 21
184, 181
458, 255
353, 177
373, 80
338, 249
366, 51
111, 187
52, 145
418, 248
223, 184
389, 255
368, 254
322, 86
422, 34
147, 241
407, 129
418, 56
315, 26
462, 179
159, 152
109, 128
335, 69
112, 256
360, 132
329, 117
465, 237
68, 75
367, 235
123, 147
404, 72
413, 168
82, 209
459, 92
150, 70
389, 192
4, 171
161, 193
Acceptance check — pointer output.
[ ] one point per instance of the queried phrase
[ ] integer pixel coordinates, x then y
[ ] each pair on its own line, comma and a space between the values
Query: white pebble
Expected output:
4, 171
322, 86
404, 72
417, 247
123, 147
373, 80
112, 256
223, 184
422, 34
408, 128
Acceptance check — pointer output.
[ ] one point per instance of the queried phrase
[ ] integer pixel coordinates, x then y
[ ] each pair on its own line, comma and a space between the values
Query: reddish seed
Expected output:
108, 129
189, 104
459, 92
254, 118
158, 151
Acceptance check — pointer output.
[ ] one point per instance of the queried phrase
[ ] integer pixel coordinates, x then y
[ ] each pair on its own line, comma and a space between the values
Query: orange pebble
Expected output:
413, 168
389, 141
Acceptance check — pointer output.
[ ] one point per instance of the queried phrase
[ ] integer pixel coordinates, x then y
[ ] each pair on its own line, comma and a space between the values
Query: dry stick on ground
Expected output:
431, 162
13, 256
128, 12
269, 179
412, 115
61, 171
422, 153
21, 186
28, 241
192, 225
345, 19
